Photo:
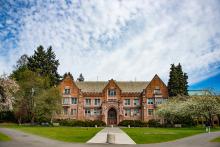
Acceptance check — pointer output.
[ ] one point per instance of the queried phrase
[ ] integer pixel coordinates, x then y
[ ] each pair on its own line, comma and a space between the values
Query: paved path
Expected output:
20, 139
120, 136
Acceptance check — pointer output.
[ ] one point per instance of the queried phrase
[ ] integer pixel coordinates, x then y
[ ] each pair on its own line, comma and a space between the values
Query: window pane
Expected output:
136, 112
150, 111
150, 101
127, 101
111, 92
74, 100
87, 112
136, 102
97, 101
65, 111
73, 111
88, 101
127, 112
66, 91
65, 100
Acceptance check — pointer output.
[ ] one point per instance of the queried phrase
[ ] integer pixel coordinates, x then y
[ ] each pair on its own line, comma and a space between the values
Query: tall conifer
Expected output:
177, 84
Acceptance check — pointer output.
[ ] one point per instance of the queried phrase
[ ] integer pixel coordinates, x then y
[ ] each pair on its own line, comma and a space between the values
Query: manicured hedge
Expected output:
153, 123
133, 123
138, 123
79, 123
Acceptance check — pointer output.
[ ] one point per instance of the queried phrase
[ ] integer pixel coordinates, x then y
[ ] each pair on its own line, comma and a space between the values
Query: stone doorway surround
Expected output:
112, 116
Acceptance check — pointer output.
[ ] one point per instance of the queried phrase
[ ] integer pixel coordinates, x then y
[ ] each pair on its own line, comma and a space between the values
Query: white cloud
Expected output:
124, 39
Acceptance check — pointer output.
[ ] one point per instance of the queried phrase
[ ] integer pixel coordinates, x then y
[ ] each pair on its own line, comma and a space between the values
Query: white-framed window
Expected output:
150, 111
159, 101
74, 100
150, 101
136, 112
67, 91
97, 111
127, 102
65, 100
73, 111
157, 90
65, 111
111, 92
136, 102
87, 112
88, 101
97, 102
127, 112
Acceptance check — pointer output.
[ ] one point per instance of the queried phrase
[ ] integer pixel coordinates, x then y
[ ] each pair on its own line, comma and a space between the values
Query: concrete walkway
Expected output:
120, 136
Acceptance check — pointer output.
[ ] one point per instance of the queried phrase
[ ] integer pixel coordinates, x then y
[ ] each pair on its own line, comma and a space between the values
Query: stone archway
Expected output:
112, 116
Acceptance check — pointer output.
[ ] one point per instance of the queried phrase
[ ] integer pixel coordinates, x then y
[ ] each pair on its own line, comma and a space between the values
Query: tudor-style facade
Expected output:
111, 101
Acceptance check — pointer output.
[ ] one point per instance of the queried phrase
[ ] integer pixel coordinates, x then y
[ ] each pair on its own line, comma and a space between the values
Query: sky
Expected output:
119, 39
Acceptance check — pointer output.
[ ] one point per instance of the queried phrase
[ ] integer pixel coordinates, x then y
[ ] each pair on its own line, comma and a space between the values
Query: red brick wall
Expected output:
149, 93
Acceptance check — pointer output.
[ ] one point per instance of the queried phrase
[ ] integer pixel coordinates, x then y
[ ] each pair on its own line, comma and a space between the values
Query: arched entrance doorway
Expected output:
112, 116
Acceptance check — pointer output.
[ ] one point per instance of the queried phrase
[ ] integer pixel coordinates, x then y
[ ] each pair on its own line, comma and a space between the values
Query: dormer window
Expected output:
111, 92
66, 91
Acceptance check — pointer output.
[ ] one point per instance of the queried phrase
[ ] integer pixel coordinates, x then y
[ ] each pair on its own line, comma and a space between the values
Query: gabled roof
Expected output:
125, 86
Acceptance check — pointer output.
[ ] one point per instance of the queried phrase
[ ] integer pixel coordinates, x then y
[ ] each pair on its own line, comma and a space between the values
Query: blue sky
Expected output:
124, 40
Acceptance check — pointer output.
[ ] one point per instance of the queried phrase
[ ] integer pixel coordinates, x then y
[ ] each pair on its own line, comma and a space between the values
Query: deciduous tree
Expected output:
8, 87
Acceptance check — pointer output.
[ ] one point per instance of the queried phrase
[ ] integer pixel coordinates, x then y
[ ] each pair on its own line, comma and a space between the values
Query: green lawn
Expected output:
67, 134
4, 137
216, 139
156, 135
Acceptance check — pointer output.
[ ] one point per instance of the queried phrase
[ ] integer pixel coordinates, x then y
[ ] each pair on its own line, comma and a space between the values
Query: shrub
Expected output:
132, 123
7, 116
79, 123
153, 123
185, 121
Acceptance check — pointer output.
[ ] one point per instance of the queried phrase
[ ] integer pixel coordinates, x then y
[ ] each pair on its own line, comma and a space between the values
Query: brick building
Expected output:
111, 101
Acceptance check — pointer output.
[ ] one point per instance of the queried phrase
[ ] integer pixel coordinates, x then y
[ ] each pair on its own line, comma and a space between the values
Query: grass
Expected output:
4, 137
66, 134
216, 139
156, 135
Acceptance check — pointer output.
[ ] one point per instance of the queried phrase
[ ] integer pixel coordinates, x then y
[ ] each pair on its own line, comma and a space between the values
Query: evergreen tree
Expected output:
172, 83
52, 66
177, 84
185, 76
80, 78
45, 63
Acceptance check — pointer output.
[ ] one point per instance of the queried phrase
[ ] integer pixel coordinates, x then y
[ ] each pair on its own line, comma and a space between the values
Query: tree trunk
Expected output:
218, 116
19, 120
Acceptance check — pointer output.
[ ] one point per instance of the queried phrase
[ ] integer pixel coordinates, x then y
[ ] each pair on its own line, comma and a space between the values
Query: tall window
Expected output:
136, 102
157, 90
66, 91
159, 100
97, 111
136, 112
127, 112
150, 101
65, 101
97, 102
111, 92
65, 111
87, 112
150, 112
88, 101
74, 100
127, 102
73, 111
